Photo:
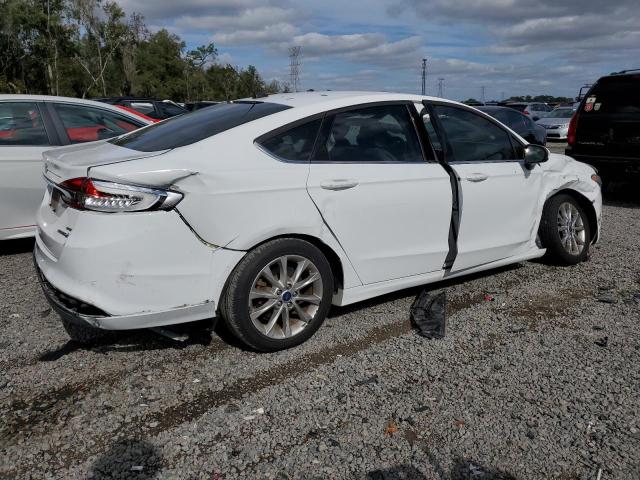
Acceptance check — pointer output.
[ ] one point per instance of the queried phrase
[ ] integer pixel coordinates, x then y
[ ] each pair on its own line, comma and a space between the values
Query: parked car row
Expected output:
266, 212
32, 124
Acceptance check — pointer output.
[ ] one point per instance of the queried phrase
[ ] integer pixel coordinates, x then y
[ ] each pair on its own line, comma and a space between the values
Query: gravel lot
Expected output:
541, 382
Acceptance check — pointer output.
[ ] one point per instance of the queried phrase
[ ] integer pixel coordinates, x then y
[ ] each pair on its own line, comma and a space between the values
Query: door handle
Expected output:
339, 184
477, 177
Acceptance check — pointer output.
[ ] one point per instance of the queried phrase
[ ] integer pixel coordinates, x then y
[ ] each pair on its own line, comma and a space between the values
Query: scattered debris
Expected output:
259, 411
410, 436
518, 329
367, 381
458, 422
428, 314
488, 297
249, 417
598, 327
390, 429
606, 297
175, 336
196, 380
599, 474
137, 468
602, 342
45, 313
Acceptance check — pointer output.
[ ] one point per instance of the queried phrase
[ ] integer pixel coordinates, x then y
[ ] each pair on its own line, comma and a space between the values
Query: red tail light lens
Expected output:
571, 134
89, 194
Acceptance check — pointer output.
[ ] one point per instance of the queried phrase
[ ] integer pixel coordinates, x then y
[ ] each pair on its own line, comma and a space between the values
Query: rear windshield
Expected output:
616, 95
518, 106
193, 127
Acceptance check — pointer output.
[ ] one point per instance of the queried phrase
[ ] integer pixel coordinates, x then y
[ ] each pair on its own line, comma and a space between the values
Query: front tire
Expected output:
278, 295
564, 230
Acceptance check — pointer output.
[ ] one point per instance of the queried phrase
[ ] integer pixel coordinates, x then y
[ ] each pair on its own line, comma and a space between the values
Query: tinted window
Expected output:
519, 107
172, 110
195, 126
21, 124
142, 107
472, 137
615, 95
294, 144
87, 124
514, 120
373, 134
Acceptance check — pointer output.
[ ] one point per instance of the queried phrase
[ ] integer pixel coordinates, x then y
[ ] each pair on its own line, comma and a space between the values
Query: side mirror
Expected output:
534, 154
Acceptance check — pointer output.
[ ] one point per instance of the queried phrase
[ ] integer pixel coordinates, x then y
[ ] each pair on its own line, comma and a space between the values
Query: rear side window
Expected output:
294, 144
373, 134
171, 110
88, 124
21, 124
143, 107
195, 126
473, 138
614, 95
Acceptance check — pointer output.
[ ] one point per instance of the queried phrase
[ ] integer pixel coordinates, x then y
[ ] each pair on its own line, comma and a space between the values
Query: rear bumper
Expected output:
122, 272
78, 312
609, 166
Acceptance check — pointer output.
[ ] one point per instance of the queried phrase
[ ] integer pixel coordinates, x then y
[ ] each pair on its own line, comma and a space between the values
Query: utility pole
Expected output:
482, 90
441, 87
294, 67
424, 76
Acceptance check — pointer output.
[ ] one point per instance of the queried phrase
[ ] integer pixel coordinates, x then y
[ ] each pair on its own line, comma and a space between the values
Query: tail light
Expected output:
89, 194
526, 112
573, 125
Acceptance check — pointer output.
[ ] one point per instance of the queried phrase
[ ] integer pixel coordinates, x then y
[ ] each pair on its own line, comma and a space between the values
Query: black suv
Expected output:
605, 130
159, 109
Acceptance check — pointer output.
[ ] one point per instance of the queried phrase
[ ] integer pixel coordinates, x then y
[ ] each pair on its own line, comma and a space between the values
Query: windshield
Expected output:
193, 127
561, 113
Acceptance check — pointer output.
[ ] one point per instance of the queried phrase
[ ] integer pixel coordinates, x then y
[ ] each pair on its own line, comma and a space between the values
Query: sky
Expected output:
509, 47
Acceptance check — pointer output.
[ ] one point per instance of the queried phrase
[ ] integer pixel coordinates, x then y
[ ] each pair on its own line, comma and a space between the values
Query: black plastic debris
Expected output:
428, 313
602, 342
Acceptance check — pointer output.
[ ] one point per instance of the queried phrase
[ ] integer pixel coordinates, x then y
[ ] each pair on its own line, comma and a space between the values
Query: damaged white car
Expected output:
268, 211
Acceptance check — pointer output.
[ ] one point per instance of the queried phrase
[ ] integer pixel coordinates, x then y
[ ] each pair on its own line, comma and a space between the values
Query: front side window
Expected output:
21, 124
370, 134
190, 128
473, 138
88, 124
294, 144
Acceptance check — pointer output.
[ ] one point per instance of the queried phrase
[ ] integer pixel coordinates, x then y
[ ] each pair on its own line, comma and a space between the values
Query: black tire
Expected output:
85, 334
550, 234
234, 302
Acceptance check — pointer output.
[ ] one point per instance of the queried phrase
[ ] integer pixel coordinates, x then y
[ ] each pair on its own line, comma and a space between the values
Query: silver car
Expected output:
557, 123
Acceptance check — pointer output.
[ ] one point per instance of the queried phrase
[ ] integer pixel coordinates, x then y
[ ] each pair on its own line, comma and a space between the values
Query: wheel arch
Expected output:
335, 262
586, 205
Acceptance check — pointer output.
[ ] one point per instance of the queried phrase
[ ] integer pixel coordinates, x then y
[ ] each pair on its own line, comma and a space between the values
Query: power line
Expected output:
294, 67
424, 76
441, 87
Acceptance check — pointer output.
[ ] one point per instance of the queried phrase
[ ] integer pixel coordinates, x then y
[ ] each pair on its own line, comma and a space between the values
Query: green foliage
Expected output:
90, 48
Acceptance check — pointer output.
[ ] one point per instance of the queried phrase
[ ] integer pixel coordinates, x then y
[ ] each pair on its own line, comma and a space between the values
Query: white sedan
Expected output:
268, 211
31, 124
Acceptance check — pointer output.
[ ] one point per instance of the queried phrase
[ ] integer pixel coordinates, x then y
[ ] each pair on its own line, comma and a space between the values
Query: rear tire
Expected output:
565, 231
268, 311
85, 334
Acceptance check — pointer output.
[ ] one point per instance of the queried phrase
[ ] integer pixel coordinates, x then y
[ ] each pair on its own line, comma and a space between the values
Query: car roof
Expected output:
77, 101
492, 108
331, 98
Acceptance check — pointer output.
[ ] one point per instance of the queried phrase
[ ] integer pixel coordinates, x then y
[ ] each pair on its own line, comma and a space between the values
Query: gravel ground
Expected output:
541, 382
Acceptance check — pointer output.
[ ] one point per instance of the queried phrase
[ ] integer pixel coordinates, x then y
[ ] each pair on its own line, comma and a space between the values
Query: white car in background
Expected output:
557, 123
31, 124
268, 211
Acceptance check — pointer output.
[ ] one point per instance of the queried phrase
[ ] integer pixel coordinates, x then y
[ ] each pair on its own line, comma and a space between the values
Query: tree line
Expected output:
91, 48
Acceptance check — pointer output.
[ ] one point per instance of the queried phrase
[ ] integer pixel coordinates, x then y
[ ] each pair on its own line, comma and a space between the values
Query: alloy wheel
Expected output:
571, 228
285, 296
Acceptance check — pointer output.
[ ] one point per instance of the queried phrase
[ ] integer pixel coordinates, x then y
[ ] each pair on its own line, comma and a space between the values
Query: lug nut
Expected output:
289, 304
278, 291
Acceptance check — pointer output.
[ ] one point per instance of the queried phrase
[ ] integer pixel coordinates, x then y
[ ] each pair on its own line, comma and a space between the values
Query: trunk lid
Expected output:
74, 161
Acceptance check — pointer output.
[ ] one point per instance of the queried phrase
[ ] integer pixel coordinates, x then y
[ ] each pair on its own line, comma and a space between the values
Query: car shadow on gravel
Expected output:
622, 194
195, 333
461, 469
415, 291
131, 459
13, 247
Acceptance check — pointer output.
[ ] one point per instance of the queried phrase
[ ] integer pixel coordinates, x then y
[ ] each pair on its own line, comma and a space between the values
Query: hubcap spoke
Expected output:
263, 309
268, 276
571, 228
262, 294
309, 298
286, 324
284, 276
299, 269
304, 316
272, 321
306, 282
